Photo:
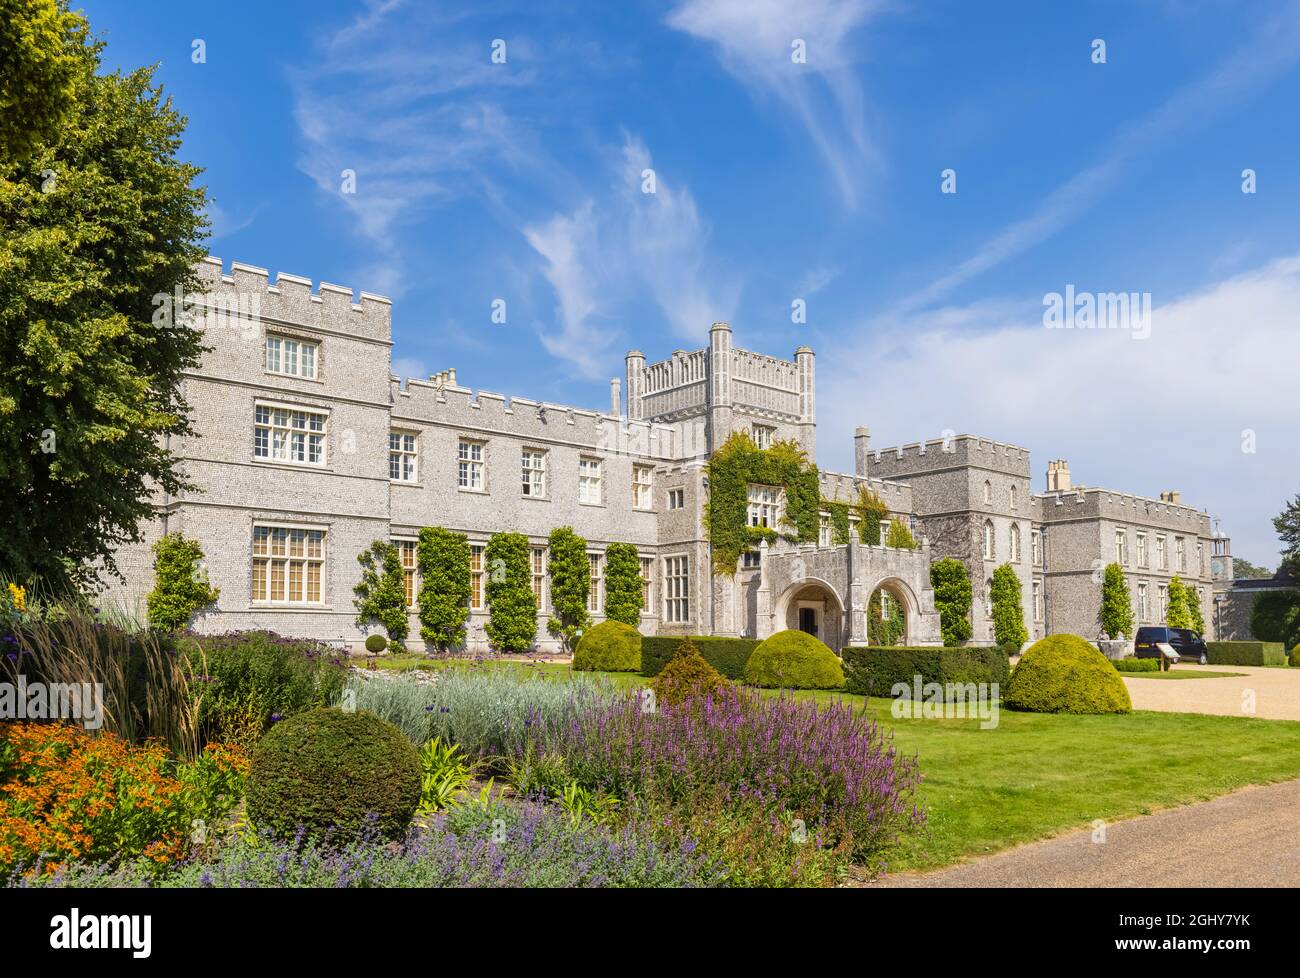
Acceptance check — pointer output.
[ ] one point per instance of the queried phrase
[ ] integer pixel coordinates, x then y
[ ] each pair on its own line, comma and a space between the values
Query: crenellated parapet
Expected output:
952, 452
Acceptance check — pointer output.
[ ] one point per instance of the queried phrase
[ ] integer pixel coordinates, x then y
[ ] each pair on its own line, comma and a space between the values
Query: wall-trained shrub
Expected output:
1136, 665
873, 670
727, 655
1064, 674
335, 775
1246, 653
794, 660
610, 646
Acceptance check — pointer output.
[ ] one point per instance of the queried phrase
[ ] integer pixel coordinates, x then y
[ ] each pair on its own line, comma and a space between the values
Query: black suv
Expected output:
1187, 643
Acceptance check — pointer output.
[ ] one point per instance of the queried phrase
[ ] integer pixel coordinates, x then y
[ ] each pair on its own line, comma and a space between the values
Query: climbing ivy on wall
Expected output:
839, 513
871, 511
733, 468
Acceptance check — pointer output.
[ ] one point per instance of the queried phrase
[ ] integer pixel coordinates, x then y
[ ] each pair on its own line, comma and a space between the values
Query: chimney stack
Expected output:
1058, 475
615, 398
1172, 496
861, 449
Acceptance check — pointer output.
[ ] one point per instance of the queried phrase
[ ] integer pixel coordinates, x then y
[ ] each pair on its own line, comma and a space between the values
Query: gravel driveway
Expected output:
1276, 692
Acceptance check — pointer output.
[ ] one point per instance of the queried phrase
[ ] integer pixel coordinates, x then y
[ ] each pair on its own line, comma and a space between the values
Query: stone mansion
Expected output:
308, 449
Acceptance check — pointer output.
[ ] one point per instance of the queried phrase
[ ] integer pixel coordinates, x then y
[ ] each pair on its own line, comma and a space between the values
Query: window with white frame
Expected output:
1162, 557
534, 472
764, 506
593, 593
1038, 600
989, 549
402, 457
1015, 543
642, 487
1144, 603
647, 583
1121, 547
591, 478
884, 531
1200, 558
1141, 549
751, 559
676, 498
476, 593
1180, 553
1036, 544
988, 598
287, 434
406, 550
763, 435
295, 358
1163, 594
539, 577
824, 532
469, 465
288, 564
677, 589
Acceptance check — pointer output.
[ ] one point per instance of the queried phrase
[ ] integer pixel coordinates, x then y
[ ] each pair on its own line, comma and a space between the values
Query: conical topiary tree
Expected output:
512, 606
445, 586
1116, 612
623, 584
1008, 614
1177, 614
570, 573
952, 599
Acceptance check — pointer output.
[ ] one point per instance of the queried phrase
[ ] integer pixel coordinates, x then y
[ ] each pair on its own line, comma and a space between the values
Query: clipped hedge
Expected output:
1136, 665
610, 646
794, 660
1246, 653
334, 774
1065, 674
727, 655
873, 670
1295, 655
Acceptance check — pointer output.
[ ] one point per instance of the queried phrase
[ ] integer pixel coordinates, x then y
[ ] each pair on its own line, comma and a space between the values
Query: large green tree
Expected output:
100, 225
570, 573
623, 584
952, 599
512, 607
1287, 524
40, 65
442, 557
1008, 613
1116, 613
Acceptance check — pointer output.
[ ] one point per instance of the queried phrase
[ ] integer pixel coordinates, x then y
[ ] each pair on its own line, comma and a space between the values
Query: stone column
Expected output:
635, 384
857, 594
763, 626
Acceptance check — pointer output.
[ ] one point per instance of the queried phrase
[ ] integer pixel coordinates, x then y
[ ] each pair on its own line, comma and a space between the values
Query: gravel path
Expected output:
1248, 838
1276, 692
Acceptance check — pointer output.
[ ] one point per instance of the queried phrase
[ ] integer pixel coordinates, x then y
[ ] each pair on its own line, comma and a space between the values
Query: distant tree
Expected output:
1008, 614
1177, 614
445, 586
900, 536
570, 573
180, 584
1243, 569
512, 606
623, 584
381, 592
1194, 613
1116, 613
1287, 524
952, 599
1275, 617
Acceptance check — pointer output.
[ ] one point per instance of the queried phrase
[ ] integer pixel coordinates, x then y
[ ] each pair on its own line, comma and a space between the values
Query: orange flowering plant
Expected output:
68, 796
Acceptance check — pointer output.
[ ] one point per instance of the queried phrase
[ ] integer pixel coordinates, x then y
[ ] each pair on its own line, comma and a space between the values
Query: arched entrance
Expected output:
888, 611
813, 606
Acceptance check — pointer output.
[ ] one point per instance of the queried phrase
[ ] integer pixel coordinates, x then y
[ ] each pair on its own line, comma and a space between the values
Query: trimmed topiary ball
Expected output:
376, 643
1295, 655
332, 774
794, 660
688, 675
609, 647
1064, 674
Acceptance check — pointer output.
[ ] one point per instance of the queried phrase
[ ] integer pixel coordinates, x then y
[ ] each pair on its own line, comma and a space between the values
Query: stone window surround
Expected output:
482, 465
302, 338
682, 601
280, 405
600, 479
325, 562
544, 495
419, 466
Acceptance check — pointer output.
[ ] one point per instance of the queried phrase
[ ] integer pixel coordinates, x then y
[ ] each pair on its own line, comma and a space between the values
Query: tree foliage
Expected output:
1194, 613
871, 511
570, 574
381, 593
1116, 612
443, 559
952, 599
1287, 524
96, 225
41, 58
180, 584
882, 630
623, 584
900, 536
1275, 617
1176, 613
512, 606
1008, 614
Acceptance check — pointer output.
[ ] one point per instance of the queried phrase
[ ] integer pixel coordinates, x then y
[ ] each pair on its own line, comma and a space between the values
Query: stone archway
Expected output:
889, 613
813, 606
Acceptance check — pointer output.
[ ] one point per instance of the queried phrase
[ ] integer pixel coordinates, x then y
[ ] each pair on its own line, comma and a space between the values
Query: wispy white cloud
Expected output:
225, 224
1136, 415
754, 41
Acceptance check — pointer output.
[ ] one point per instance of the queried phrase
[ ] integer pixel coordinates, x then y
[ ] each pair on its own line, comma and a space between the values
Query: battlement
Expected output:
1122, 507
942, 453
841, 487
246, 291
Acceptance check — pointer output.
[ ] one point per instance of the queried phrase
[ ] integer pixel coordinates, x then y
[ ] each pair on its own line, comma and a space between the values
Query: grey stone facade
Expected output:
300, 469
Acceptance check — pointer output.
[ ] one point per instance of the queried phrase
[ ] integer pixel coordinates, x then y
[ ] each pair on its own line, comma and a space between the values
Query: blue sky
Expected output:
777, 181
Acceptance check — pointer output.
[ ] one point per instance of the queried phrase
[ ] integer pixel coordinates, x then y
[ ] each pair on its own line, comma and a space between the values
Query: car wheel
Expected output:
1204, 660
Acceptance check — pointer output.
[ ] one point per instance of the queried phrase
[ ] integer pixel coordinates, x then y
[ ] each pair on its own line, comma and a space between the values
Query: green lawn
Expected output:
1172, 674
1036, 775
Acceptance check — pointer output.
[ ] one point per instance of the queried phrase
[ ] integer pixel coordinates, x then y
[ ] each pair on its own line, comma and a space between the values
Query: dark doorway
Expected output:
808, 620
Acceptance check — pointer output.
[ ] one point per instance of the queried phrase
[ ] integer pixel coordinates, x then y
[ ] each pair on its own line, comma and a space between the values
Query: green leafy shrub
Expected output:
380, 595
900, 536
872, 670
1275, 617
1116, 613
1064, 674
180, 584
882, 628
794, 660
1008, 616
1245, 653
1177, 613
512, 606
1295, 655
443, 559
376, 644
334, 775
623, 584
445, 775
727, 655
1136, 665
570, 572
688, 676
952, 599
871, 511
610, 646
247, 680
